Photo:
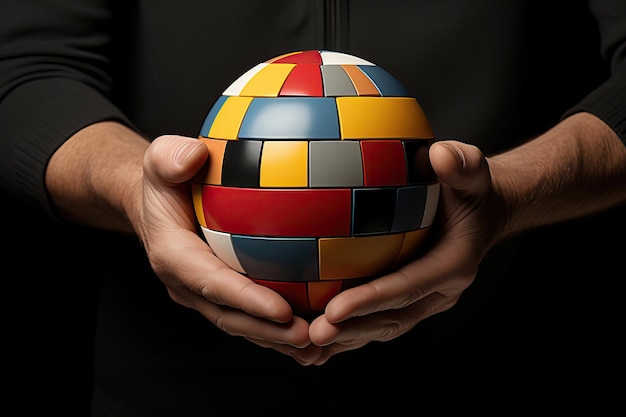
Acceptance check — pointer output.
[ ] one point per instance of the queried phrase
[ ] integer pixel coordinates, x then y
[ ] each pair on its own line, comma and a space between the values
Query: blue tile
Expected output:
278, 259
291, 118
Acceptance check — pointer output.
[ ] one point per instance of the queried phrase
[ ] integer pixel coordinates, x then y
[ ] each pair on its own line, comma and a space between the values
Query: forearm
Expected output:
575, 169
95, 177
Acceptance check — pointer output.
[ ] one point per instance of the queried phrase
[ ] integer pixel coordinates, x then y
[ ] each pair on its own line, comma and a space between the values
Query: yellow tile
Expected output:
355, 257
284, 164
412, 243
196, 192
268, 81
228, 120
382, 117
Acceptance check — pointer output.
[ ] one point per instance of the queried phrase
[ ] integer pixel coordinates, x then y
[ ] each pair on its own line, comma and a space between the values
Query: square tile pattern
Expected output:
318, 176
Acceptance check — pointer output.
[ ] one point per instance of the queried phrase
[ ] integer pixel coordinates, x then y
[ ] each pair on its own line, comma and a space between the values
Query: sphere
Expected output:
318, 177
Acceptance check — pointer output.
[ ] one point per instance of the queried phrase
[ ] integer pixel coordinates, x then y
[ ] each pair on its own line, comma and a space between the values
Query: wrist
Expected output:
95, 177
555, 177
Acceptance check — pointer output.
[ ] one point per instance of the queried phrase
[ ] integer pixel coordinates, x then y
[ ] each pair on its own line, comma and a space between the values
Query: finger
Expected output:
193, 265
174, 159
176, 252
238, 323
460, 165
415, 281
168, 165
381, 326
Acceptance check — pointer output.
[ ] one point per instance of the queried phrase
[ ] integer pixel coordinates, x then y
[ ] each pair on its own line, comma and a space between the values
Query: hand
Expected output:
552, 178
193, 275
388, 307
570, 158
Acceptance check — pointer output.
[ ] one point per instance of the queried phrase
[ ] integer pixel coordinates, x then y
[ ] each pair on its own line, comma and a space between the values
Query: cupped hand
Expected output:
193, 275
468, 223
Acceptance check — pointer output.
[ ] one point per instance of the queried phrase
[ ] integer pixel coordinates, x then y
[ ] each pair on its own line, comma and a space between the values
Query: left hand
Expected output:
390, 306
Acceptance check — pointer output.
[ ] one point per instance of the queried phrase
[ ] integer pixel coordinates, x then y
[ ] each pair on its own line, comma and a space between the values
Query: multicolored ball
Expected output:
318, 176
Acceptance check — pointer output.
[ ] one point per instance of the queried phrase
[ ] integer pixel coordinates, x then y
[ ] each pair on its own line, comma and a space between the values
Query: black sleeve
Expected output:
53, 82
608, 101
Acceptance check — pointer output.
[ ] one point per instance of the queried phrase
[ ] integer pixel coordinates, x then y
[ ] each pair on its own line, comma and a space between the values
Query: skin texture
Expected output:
132, 186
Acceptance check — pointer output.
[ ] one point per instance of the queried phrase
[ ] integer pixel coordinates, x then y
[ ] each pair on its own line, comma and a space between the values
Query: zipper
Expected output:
336, 25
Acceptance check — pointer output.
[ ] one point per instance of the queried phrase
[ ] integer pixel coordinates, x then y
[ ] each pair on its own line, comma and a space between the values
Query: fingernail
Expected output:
183, 152
459, 157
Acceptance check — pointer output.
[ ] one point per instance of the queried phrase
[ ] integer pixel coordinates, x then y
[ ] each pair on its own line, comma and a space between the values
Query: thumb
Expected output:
460, 165
175, 159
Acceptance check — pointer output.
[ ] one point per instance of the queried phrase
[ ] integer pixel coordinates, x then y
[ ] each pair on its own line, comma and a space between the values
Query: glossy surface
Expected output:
318, 176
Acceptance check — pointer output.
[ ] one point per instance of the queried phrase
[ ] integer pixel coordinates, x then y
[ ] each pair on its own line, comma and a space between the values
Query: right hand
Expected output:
193, 275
